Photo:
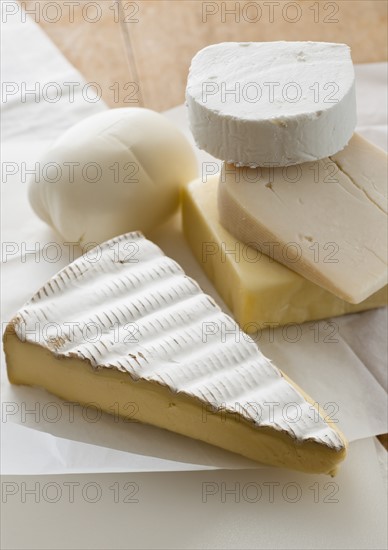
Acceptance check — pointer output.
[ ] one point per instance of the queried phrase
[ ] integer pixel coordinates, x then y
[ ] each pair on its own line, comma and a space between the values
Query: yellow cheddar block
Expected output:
258, 290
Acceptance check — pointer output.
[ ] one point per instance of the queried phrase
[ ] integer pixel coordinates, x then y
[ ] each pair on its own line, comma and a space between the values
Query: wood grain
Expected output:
151, 42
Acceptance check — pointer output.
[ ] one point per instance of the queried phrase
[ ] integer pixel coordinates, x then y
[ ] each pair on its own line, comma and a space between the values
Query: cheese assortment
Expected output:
288, 188
277, 103
133, 328
259, 291
325, 220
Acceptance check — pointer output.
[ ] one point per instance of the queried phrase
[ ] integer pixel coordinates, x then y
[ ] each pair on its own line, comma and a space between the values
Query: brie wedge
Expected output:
277, 103
132, 327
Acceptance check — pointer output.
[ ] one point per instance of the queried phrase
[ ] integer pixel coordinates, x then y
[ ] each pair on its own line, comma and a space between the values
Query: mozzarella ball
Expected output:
114, 172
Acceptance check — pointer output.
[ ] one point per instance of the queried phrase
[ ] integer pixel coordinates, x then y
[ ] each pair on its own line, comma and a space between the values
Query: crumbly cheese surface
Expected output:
280, 103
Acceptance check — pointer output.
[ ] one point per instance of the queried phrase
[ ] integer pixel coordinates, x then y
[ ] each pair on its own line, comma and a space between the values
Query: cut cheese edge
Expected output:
325, 220
259, 291
272, 103
132, 327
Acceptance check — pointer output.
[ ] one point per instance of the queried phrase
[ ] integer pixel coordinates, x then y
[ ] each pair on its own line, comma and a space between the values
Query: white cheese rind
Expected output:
278, 103
156, 325
152, 352
326, 220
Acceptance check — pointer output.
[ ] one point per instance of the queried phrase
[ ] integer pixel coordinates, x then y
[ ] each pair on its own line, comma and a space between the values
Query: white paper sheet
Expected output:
341, 379
178, 510
346, 376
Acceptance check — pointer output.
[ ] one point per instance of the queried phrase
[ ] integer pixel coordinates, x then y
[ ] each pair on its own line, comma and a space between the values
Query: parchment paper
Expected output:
40, 433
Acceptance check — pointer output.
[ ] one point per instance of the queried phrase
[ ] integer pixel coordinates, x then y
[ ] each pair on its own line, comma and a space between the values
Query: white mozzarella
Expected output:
117, 171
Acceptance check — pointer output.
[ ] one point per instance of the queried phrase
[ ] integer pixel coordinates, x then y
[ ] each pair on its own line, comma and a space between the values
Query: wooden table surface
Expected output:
139, 52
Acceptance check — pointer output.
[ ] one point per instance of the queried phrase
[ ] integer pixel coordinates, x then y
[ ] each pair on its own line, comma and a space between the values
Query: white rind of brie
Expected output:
272, 103
133, 327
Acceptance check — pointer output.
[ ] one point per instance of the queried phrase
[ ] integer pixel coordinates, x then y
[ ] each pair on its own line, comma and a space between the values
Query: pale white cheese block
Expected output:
325, 220
133, 328
277, 103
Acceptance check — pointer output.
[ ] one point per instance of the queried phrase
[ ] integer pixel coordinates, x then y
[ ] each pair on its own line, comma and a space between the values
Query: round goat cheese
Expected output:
114, 172
277, 103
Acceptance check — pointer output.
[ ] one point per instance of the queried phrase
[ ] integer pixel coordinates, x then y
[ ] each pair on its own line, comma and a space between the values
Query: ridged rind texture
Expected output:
135, 310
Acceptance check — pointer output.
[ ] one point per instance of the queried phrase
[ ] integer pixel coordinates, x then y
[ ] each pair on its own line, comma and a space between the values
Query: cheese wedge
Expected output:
277, 103
325, 220
132, 327
259, 291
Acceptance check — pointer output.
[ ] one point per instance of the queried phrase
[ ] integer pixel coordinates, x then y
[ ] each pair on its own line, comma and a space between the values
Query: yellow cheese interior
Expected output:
257, 289
76, 380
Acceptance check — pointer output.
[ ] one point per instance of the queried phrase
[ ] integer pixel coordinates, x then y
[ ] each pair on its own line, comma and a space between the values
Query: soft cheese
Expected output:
117, 171
260, 291
278, 103
325, 220
132, 327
